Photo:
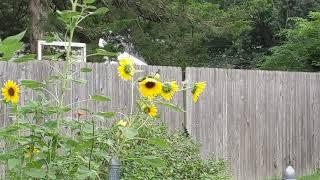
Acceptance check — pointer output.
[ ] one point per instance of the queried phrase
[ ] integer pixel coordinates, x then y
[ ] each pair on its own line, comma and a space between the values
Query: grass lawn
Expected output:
315, 176
311, 177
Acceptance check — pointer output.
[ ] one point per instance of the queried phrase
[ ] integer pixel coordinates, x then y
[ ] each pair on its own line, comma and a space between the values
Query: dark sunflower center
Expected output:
194, 89
127, 69
150, 84
147, 110
11, 91
166, 88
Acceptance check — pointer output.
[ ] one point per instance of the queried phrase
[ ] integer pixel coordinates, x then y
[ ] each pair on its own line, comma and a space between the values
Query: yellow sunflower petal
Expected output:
151, 110
126, 69
150, 87
197, 90
10, 92
122, 123
168, 90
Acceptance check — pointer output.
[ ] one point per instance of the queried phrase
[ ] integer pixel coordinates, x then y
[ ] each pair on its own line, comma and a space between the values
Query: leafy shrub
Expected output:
180, 155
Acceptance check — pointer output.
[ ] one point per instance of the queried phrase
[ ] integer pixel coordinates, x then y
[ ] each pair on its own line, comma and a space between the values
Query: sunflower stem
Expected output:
132, 97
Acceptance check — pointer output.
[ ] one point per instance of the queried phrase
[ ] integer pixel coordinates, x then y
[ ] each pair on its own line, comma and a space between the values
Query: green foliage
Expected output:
314, 176
10, 45
300, 51
180, 156
43, 142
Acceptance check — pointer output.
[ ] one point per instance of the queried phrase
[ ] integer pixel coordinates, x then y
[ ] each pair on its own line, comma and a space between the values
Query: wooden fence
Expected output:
259, 121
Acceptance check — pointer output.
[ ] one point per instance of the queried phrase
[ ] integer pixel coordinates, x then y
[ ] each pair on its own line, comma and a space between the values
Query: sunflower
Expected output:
126, 69
150, 87
168, 90
30, 151
151, 110
10, 92
197, 89
122, 123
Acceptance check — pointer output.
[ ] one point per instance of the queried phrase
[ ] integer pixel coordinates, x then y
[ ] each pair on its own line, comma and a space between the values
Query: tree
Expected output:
38, 13
300, 50
13, 17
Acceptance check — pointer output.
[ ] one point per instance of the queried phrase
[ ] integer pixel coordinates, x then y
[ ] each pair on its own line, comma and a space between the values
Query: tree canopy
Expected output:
249, 34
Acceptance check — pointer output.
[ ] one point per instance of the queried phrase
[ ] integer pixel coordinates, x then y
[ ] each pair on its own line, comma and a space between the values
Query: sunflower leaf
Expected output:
153, 161
99, 98
129, 132
160, 142
106, 114
12, 163
85, 70
80, 81
32, 84
89, 1
101, 11
171, 106
10, 45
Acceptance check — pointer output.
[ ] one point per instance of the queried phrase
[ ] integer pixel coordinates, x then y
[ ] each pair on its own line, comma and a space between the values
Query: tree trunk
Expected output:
38, 14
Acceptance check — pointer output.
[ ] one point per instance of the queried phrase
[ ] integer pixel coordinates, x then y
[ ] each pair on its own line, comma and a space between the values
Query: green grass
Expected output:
315, 176
311, 177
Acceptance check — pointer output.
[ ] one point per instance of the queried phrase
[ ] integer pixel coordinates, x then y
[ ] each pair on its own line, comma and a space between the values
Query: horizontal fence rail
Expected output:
103, 80
259, 121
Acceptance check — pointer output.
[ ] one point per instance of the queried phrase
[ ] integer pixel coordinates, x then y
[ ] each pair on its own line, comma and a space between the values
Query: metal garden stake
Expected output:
114, 169
289, 174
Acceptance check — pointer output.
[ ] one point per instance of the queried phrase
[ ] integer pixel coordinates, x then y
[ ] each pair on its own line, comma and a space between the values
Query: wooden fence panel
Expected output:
259, 121
103, 80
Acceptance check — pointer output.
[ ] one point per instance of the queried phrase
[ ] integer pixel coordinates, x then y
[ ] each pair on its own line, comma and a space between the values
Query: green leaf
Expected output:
106, 114
52, 124
91, 7
84, 173
89, 1
160, 142
99, 98
129, 132
154, 161
171, 106
12, 163
80, 81
103, 52
67, 15
49, 39
32, 84
36, 173
10, 45
25, 58
101, 11
85, 70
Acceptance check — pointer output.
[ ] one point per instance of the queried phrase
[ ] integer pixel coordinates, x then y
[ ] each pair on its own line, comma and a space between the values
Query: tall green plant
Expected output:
42, 142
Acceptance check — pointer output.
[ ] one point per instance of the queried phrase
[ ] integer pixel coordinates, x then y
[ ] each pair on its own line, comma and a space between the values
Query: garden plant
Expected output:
43, 142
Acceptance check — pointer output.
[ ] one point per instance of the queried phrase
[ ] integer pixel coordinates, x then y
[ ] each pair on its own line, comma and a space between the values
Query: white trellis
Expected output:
82, 46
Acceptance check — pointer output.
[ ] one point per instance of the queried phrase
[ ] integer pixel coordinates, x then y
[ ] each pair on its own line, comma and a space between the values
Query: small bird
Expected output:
157, 75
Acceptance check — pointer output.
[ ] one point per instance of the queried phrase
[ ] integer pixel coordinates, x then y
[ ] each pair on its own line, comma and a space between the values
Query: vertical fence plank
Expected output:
269, 120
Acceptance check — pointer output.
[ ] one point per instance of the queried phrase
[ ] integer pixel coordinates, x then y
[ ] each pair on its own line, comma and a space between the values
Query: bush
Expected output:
180, 154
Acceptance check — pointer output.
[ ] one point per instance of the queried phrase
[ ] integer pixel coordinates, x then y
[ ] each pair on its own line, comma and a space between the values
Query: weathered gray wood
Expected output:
259, 121
103, 80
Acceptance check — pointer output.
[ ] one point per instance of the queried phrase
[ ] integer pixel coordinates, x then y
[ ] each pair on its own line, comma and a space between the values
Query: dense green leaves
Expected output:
300, 50
12, 163
10, 45
100, 98
25, 58
32, 84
